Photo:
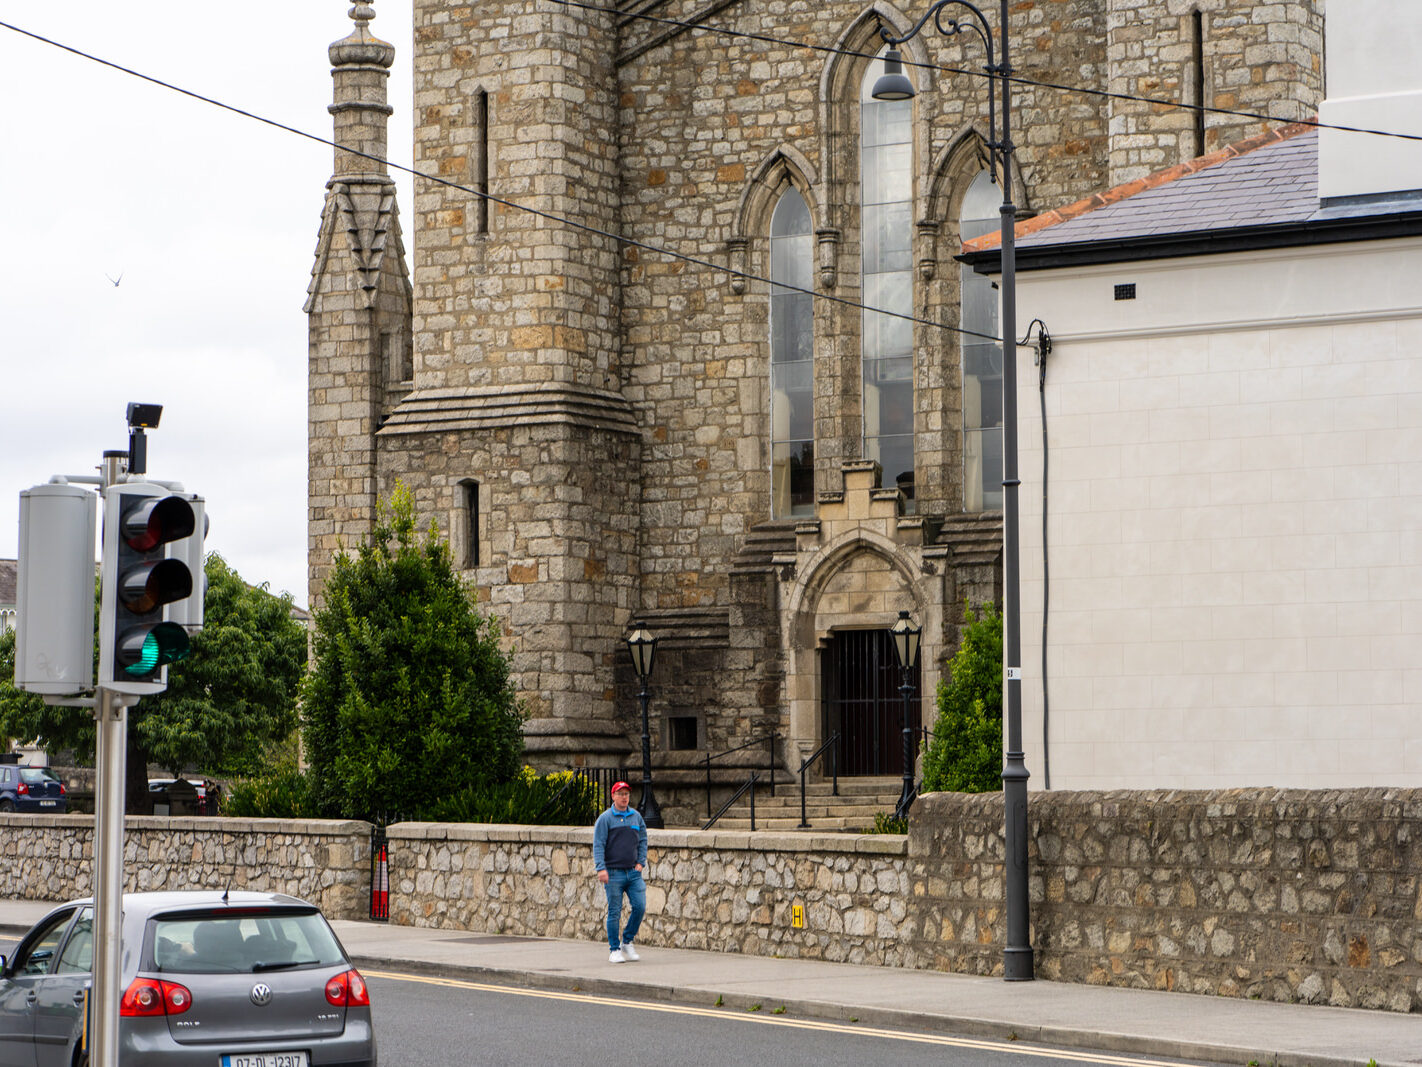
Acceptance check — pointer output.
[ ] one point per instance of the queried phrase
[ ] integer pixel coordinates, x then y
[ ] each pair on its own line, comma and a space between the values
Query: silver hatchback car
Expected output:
210, 979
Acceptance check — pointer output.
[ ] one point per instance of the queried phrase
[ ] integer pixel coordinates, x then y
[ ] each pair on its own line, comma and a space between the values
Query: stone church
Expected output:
677, 336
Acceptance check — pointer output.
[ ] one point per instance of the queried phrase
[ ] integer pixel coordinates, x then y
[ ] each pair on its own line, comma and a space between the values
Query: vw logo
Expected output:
261, 994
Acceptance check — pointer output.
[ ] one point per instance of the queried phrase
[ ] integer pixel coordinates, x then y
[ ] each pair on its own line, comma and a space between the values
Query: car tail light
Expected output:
147, 996
62, 790
347, 989
22, 789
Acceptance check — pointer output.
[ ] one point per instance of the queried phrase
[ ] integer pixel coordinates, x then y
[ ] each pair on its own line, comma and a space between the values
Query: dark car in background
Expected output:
178, 796
213, 979
31, 789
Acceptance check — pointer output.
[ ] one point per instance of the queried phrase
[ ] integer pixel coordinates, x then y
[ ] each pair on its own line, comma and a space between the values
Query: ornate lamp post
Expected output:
643, 647
893, 85
906, 637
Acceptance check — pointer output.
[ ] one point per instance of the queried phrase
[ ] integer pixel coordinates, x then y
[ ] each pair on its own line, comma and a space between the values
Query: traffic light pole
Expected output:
111, 730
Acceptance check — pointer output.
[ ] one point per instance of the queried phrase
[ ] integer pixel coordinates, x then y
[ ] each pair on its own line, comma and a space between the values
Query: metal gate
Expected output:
861, 680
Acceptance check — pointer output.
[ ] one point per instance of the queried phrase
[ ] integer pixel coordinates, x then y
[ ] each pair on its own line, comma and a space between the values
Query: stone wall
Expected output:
51, 857
724, 891
1285, 895
1272, 894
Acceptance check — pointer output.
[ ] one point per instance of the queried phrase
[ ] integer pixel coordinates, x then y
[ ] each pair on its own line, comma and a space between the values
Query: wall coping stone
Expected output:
726, 840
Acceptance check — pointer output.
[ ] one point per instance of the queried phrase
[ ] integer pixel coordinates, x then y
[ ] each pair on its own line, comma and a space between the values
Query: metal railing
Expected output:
379, 874
768, 740
832, 745
749, 784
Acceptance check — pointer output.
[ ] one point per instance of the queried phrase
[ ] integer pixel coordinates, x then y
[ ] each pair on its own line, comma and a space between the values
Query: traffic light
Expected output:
136, 643
54, 601
187, 613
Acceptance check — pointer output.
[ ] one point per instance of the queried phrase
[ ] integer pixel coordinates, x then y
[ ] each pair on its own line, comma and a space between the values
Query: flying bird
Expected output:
115, 280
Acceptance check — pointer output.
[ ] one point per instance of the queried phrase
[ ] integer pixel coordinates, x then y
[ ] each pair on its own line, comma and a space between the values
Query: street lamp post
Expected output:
643, 647
906, 637
893, 85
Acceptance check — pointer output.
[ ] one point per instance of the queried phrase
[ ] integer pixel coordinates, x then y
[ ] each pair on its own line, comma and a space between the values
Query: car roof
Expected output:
141, 905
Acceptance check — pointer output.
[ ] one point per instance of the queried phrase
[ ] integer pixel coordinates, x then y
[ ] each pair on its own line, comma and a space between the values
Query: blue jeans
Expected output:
629, 882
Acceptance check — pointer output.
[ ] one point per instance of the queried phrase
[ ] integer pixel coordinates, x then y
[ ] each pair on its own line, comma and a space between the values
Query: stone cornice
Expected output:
493, 407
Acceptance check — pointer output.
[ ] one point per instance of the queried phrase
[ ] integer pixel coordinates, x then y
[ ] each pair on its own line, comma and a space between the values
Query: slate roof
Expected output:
9, 575
1255, 193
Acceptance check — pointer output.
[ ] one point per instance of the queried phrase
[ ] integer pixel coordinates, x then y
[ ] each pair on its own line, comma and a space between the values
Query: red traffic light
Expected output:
155, 521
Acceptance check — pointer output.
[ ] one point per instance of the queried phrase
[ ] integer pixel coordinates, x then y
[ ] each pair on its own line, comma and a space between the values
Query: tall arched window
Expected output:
982, 359
792, 349
886, 352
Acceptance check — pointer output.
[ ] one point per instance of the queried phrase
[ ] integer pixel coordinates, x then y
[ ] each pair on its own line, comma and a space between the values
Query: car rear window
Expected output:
231, 941
36, 774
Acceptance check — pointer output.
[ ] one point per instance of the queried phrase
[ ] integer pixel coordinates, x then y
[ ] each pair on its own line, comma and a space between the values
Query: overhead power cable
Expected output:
489, 197
1015, 79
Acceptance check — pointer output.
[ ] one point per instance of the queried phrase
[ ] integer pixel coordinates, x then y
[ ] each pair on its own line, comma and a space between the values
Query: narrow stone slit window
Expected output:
481, 161
1197, 77
397, 356
464, 529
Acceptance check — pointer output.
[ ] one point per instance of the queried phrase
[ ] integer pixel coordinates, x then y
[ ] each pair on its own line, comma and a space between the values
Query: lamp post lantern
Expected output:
952, 17
643, 647
906, 638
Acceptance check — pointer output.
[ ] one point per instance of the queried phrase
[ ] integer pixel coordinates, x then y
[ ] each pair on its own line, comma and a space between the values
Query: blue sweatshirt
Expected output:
619, 840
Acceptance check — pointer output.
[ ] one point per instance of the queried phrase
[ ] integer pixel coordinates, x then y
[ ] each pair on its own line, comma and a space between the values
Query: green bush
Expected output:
887, 823
965, 753
282, 795
561, 799
410, 699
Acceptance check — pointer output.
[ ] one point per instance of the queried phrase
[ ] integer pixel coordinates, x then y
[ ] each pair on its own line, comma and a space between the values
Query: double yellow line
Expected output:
1107, 1059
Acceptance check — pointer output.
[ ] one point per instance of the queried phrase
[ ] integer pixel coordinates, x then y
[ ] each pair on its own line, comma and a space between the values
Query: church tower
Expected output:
358, 305
507, 419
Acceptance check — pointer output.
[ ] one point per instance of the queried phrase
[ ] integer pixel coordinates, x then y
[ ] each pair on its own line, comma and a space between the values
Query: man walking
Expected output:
619, 854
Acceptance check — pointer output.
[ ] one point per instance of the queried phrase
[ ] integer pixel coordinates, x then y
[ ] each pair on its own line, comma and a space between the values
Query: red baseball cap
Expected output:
620, 785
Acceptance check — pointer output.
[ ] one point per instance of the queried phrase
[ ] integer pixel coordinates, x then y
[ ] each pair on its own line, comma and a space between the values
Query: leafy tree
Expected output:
409, 699
965, 755
233, 695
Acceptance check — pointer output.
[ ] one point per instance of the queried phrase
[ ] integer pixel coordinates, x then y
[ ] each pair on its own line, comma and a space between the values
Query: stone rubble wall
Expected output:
1288, 895
51, 857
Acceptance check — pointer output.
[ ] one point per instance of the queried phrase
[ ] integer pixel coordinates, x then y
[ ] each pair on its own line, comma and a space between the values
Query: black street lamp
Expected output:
893, 85
643, 647
906, 637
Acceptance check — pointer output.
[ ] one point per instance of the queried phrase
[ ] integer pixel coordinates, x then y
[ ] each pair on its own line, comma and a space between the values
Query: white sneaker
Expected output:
616, 956
628, 952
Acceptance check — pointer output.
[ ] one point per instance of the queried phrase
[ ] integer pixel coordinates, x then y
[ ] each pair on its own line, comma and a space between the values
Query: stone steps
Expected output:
854, 809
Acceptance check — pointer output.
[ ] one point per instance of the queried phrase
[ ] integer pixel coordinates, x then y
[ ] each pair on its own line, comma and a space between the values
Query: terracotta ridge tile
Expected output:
1125, 190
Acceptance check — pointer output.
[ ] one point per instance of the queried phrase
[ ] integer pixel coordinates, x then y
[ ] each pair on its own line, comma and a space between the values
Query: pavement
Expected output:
1145, 1022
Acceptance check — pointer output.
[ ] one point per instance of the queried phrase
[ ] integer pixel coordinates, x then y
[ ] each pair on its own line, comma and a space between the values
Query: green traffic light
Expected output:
145, 651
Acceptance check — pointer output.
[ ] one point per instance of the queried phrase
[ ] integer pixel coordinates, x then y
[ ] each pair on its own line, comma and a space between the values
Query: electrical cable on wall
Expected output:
1044, 349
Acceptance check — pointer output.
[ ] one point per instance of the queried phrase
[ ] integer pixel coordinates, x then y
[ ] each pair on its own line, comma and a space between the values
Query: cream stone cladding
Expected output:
559, 537
1260, 56
532, 299
358, 304
714, 129
684, 139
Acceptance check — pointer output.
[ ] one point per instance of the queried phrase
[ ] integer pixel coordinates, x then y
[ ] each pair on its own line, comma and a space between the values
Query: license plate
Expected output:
265, 1059
48, 803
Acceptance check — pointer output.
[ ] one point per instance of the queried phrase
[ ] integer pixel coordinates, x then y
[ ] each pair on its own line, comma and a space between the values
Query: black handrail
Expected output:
769, 764
832, 743
749, 784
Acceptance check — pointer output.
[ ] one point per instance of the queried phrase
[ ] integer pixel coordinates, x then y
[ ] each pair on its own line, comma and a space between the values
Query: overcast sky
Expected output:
207, 219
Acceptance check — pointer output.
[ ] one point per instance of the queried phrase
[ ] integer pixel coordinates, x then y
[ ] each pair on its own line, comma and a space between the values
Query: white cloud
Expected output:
210, 217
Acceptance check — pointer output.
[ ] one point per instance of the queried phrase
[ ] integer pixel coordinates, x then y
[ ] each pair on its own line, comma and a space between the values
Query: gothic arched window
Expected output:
792, 336
982, 359
886, 349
